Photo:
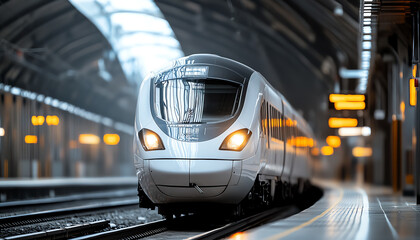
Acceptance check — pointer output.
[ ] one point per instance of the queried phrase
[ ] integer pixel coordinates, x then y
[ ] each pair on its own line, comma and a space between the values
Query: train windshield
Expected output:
196, 101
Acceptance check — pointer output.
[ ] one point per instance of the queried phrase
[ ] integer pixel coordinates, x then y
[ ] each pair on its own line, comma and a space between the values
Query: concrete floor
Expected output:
347, 212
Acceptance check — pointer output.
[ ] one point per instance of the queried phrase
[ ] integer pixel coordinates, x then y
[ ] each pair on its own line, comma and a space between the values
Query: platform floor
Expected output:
347, 212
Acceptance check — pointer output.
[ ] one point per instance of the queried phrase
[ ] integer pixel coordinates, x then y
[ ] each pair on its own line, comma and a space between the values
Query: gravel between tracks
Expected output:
119, 217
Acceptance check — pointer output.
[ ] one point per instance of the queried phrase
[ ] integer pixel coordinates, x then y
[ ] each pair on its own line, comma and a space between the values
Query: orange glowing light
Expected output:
31, 139
327, 150
362, 151
334, 141
350, 105
111, 139
301, 141
346, 98
413, 92
342, 122
237, 236
315, 151
89, 139
289, 122
2, 132
73, 144
53, 120
414, 70
37, 120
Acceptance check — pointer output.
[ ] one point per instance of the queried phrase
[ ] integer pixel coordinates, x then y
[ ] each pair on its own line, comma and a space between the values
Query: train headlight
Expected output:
236, 141
150, 140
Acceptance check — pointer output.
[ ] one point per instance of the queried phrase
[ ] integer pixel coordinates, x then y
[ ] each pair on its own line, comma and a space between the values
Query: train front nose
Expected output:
194, 179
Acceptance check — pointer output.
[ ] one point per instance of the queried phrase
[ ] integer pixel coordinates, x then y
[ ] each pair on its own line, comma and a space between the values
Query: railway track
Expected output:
159, 229
191, 227
51, 215
70, 198
63, 233
133, 232
247, 223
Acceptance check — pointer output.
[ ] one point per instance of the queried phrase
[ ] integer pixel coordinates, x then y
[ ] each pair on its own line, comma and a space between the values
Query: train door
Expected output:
288, 126
266, 132
294, 137
283, 135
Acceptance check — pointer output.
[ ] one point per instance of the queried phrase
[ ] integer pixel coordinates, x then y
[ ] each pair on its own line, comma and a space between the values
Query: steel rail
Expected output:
49, 215
63, 233
132, 232
70, 198
247, 223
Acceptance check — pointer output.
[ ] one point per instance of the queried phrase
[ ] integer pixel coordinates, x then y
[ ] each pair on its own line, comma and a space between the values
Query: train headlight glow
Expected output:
150, 140
236, 141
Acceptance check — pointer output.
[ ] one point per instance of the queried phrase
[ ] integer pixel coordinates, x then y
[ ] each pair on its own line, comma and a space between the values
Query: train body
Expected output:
209, 128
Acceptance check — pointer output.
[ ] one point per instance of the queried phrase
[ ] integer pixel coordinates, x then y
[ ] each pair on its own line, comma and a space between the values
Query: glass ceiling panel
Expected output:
137, 31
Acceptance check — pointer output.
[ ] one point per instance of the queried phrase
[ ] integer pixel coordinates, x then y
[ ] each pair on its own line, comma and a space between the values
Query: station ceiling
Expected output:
50, 48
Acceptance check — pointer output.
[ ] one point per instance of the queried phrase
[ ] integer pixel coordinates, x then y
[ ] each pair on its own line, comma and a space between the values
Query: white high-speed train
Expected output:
212, 130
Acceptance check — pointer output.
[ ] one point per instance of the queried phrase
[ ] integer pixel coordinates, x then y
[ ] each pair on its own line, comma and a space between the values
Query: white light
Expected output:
367, 37
47, 100
55, 103
367, 29
367, 45
367, 14
63, 106
366, 131
15, 91
365, 65
366, 53
338, 11
40, 98
1, 132
354, 131
352, 73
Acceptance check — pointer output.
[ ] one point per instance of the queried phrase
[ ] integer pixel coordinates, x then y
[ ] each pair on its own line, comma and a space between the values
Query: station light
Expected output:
350, 105
302, 141
362, 151
37, 120
111, 139
89, 139
72, 144
354, 131
342, 122
347, 98
413, 91
334, 141
315, 151
236, 141
327, 151
53, 120
31, 139
2, 132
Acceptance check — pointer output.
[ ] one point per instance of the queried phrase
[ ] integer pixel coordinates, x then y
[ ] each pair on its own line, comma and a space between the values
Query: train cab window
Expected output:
196, 101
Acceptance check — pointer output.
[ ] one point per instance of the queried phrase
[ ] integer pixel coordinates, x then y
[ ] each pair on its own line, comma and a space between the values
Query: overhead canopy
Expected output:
297, 45
51, 48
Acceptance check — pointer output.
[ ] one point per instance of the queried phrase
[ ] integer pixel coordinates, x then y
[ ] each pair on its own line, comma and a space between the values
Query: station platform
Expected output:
347, 212
23, 190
